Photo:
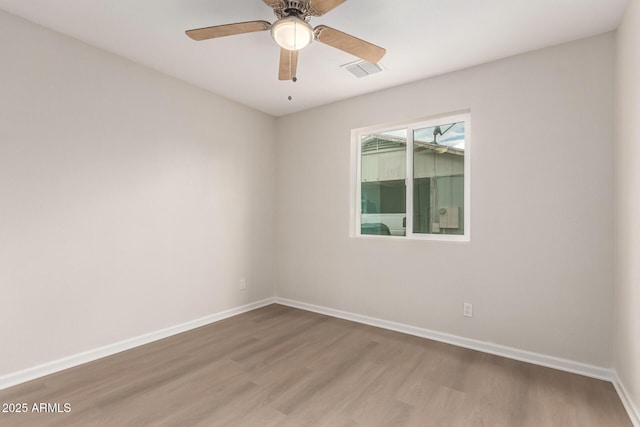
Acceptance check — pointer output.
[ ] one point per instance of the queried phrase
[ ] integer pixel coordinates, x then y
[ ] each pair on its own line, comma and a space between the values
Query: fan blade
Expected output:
272, 2
320, 7
228, 30
288, 64
350, 44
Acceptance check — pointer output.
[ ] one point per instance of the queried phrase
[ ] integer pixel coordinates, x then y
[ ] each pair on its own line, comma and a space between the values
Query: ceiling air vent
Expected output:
362, 68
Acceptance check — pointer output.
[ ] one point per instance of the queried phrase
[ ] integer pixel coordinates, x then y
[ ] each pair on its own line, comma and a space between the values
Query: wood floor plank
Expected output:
278, 366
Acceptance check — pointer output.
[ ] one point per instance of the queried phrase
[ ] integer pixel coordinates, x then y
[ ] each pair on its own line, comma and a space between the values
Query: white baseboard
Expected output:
632, 410
98, 353
486, 347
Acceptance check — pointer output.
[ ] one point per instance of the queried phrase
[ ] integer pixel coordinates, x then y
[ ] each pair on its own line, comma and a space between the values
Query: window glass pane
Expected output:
438, 179
382, 183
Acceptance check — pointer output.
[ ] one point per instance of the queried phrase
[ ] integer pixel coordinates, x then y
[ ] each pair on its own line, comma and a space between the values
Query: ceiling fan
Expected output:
293, 32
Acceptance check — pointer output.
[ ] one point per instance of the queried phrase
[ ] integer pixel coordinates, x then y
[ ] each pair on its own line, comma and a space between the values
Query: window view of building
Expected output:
383, 190
432, 201
438, 179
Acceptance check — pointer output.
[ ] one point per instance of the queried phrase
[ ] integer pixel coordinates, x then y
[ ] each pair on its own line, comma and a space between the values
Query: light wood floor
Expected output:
279, 366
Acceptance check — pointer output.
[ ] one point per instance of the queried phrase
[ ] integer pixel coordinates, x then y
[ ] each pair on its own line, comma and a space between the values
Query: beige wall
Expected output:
539, 266
627, 190
129, 201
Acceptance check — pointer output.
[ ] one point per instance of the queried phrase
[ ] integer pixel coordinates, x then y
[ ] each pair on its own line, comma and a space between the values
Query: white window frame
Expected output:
410, 126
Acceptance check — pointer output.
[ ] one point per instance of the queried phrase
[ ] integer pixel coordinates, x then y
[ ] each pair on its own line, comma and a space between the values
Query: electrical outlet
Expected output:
243, 284
468, 310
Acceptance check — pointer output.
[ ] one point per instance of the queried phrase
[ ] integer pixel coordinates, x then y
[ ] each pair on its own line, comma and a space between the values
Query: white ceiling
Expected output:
423, 38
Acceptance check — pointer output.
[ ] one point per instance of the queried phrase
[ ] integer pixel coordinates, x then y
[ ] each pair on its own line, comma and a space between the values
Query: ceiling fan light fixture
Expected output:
292, 33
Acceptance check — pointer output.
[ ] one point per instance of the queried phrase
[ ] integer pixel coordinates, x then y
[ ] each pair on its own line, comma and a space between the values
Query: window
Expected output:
413, 180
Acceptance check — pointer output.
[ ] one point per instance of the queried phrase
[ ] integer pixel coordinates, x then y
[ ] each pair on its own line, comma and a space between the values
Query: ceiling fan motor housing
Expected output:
295, 8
